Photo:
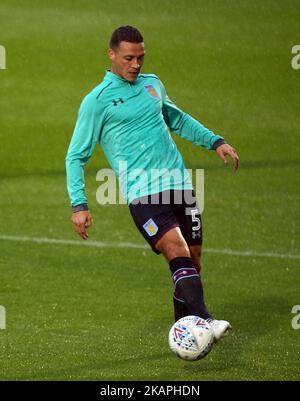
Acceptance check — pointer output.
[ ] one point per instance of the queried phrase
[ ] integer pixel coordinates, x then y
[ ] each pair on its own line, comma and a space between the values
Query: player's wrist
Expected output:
80, 208
218, 143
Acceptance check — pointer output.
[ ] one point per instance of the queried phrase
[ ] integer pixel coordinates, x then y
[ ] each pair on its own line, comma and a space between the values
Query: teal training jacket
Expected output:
131, 121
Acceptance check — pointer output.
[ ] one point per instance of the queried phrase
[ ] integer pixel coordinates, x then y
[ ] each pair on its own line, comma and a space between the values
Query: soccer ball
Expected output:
191, 338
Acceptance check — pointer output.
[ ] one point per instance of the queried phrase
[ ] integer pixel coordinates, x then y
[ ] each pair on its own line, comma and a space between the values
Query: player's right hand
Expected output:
81, 221
227, 150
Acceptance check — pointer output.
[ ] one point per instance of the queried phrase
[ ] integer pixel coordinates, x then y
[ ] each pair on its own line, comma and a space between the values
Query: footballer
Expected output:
130, 114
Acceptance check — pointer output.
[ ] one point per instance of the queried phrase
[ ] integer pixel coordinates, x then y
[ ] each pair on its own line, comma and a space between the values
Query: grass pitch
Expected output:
78, 312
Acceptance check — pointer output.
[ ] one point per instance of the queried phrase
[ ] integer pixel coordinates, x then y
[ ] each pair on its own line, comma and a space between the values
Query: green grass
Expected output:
79, 313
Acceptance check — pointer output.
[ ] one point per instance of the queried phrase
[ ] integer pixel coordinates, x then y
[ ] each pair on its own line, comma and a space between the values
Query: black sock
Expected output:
188, 291
180, 309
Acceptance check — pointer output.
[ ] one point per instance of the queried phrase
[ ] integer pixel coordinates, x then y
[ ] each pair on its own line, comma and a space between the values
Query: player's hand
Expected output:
227, 150
81, 221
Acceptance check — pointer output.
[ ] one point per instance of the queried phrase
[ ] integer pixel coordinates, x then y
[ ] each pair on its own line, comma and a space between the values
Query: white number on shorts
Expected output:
195, 219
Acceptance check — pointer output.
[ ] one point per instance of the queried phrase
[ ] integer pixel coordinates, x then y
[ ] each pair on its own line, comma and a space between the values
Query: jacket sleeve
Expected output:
86, 134
186, 126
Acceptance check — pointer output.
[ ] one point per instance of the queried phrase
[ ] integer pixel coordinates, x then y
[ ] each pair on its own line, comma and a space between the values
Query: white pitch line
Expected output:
126, 245
253, 254
95, 244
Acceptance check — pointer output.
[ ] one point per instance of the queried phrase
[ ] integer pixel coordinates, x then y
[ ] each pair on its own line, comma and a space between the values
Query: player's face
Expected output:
127, 60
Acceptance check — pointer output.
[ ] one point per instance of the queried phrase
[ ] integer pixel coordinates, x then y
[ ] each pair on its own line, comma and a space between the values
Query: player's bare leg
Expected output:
172, 245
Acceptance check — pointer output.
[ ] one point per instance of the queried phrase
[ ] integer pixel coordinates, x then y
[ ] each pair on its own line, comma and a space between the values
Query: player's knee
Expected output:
174, 249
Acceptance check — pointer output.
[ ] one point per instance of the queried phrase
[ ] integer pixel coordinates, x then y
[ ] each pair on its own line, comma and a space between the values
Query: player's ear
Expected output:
111, 54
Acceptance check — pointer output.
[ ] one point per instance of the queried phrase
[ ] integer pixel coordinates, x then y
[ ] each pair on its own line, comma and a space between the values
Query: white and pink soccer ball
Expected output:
191, 338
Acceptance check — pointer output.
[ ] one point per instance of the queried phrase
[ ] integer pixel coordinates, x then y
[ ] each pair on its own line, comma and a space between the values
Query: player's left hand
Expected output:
227, 150
81, 222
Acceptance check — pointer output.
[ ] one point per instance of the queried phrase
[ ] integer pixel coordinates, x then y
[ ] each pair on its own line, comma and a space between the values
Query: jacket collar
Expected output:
115, 78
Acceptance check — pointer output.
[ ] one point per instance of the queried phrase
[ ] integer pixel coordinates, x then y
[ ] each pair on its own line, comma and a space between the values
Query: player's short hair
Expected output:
127, 34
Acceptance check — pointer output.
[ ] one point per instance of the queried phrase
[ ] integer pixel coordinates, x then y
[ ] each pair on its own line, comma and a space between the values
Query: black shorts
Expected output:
154, 215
